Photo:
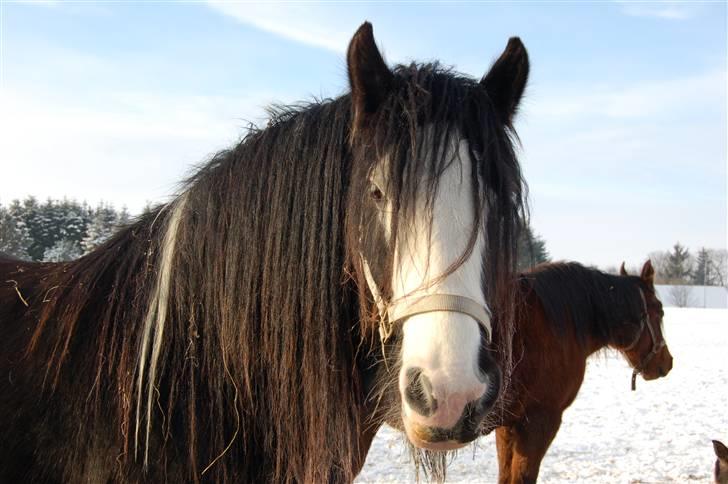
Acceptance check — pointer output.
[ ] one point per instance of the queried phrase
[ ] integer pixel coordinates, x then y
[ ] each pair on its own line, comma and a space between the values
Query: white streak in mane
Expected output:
154, 324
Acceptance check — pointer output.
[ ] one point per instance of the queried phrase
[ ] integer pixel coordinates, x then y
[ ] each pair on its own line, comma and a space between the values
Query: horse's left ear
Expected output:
369, 76
721, 451
622, 270
648, 272
506, 80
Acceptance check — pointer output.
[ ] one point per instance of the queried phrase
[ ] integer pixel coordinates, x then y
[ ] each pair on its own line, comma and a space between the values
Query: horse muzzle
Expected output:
437, 421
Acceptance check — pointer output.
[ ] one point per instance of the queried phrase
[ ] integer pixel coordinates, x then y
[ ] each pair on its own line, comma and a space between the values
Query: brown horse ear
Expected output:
648, 272
369, 76
721, 451
622, 270
506, 80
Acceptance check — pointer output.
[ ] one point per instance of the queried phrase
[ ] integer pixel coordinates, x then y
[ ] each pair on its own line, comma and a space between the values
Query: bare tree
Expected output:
719, 266
681, 296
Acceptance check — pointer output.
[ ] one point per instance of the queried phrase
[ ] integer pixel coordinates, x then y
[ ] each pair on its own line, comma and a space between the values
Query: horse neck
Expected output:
579, 303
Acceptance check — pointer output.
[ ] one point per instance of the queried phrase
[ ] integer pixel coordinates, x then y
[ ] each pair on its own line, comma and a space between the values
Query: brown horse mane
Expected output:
595, 303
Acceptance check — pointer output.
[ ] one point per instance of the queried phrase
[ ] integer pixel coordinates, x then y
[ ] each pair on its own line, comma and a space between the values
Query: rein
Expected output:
656, 346
393, 312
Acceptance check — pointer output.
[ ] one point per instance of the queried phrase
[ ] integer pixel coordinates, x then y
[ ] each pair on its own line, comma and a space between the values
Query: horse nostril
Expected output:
418, 393
662, 372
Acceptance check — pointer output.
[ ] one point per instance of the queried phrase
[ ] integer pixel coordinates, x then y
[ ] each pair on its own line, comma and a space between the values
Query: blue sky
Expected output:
623, 125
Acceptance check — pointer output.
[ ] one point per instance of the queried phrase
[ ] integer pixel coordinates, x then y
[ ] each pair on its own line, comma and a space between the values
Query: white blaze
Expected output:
445, 345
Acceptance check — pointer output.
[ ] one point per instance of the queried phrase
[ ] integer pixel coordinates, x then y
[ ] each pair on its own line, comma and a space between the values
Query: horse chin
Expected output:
438, 446
649, 376
438, 439
659, 368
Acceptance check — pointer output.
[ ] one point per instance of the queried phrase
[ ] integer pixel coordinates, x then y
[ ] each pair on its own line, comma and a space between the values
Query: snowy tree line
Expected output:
59, 230
679, 267
707, 267
56, 230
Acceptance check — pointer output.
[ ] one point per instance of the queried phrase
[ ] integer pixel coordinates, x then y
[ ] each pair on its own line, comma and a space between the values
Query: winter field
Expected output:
659, 434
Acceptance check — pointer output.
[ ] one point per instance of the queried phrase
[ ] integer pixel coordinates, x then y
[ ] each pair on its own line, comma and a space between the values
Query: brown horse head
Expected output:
648, 353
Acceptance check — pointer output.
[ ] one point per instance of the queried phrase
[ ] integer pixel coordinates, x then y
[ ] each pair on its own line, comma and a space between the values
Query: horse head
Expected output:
648, 352
435, 200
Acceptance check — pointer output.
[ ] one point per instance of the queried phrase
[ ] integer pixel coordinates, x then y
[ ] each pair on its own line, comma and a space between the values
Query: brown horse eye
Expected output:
376, 193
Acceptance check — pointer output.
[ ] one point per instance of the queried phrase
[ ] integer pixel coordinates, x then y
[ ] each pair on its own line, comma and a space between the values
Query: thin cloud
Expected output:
45, 3
641, 100
663, 10
325, 26
126, 148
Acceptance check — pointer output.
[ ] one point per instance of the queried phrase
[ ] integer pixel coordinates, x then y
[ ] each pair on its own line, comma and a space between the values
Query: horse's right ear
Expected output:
506, 80
648, 273
622, 270
369, 76
721, 451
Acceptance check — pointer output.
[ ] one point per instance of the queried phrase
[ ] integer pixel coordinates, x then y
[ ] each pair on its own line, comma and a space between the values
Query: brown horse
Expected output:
567, 313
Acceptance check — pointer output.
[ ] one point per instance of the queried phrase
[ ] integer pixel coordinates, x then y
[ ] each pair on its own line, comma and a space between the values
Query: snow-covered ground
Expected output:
660, 433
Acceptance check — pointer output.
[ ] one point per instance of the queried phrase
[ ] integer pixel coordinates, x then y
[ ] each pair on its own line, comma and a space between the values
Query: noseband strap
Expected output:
402, 309
397, 311
656, 345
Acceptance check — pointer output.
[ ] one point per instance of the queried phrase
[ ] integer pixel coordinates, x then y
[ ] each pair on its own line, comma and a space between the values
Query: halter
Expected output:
393, 312
656, 346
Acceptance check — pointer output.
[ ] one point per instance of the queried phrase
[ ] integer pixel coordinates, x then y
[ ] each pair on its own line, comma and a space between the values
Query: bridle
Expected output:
656, 345
396, 311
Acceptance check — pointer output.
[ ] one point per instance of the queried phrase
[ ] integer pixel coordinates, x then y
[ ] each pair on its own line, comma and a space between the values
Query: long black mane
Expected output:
224, 336
594, 303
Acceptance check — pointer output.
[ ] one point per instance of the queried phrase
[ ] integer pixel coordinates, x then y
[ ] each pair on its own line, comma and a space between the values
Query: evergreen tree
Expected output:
703, 276
71, 221
677, 266
63, 250
531, 249
148, 208
14, 234
49, 226
102, 226
123, 218
57, 229
31, 213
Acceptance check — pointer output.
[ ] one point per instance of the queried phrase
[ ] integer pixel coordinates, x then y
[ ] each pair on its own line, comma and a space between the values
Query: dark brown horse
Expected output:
231, 334
567, 312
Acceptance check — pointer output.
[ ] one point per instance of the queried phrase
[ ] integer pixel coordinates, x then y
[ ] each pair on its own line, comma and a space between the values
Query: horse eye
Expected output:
376, 194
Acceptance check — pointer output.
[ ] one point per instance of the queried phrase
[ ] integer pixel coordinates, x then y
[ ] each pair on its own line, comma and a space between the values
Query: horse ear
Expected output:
721, 451
369, 76
622, 270
648, 272
506, 80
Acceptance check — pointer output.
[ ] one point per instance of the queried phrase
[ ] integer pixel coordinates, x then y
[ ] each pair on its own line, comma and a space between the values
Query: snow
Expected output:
660, 433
